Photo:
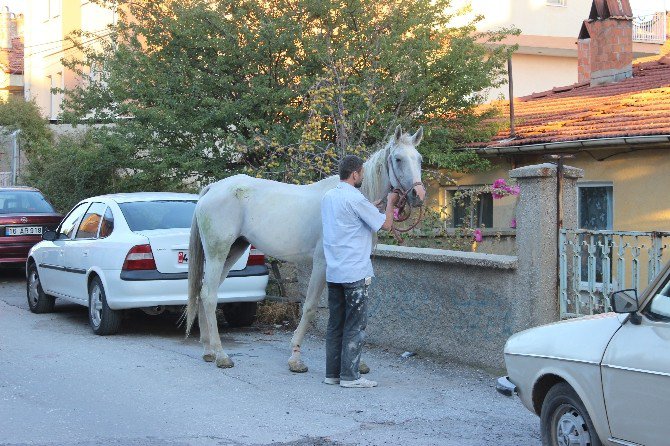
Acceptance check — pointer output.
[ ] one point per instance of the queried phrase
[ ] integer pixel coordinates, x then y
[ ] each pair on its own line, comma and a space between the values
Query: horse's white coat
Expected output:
283, 221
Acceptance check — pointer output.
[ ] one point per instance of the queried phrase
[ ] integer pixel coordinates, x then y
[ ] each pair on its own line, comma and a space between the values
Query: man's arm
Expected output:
391, 200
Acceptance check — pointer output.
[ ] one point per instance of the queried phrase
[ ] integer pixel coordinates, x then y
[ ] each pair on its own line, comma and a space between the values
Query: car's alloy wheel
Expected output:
38, 300
564, 419
103, 320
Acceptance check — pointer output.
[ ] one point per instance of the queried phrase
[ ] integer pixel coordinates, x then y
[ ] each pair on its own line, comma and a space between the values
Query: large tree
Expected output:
195, 90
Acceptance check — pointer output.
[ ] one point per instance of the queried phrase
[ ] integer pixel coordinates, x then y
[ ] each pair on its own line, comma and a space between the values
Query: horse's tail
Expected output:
196, 263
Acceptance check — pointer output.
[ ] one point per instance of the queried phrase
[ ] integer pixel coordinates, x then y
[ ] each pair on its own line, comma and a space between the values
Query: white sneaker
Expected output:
360, 383
333, 381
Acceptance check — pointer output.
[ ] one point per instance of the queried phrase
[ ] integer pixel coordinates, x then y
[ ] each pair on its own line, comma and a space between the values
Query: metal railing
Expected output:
593, 264
650, 28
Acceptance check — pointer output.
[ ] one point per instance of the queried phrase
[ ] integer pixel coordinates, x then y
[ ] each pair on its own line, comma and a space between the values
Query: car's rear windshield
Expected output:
162, 214
24, 202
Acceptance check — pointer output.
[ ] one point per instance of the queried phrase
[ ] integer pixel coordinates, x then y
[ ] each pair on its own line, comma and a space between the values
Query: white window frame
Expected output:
584, 285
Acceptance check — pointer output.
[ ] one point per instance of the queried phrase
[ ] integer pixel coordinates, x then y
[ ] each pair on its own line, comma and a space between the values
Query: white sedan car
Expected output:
123, 251
601, 379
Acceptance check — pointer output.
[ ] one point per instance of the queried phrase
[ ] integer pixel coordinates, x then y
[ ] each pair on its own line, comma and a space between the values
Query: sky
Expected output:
640, 7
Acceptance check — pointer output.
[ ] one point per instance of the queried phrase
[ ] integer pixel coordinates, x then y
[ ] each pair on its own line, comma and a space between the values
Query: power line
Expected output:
59, 41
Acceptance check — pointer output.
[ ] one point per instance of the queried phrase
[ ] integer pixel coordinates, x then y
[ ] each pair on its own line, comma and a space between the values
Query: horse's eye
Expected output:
397, 160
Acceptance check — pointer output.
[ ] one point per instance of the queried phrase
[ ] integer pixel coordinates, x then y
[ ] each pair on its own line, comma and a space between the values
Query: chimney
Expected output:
605, 43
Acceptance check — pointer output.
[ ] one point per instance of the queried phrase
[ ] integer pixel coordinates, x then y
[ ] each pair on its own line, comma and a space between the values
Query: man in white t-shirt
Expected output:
349, 221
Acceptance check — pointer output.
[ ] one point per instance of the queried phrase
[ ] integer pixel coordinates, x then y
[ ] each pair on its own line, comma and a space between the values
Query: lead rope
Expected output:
401, 204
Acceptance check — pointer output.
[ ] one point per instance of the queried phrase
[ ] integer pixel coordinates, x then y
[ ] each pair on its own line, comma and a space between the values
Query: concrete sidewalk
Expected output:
62, 385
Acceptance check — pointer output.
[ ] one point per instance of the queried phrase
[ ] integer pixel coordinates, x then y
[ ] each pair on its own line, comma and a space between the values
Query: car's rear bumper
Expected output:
141, 291
505, 386
15, 250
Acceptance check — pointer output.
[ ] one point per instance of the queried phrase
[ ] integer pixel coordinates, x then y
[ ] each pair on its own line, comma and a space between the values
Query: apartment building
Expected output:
48, 23
11, 54
547, 54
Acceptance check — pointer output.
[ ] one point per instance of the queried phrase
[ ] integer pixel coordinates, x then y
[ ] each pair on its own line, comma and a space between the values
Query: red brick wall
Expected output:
609, 48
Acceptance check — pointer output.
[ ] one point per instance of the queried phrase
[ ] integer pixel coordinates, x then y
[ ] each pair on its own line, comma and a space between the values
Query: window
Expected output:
107, 225
463, 214
149, 215
68, 225
16, 201
88, 228
660, 304
595, 213
557, 2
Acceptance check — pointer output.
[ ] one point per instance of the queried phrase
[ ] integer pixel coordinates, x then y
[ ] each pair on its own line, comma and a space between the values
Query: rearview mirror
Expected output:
49, 236
624, 301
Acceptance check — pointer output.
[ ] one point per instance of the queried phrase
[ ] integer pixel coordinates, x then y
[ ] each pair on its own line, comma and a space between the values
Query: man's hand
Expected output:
391, 200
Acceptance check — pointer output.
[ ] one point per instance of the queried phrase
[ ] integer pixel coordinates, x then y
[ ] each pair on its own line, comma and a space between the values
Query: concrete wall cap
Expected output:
446, 256
545, 170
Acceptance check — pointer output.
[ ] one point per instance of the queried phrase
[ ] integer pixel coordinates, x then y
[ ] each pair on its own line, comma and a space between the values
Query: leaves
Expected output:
196, 90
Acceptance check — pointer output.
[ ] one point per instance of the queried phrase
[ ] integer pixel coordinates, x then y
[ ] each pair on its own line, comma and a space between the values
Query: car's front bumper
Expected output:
505, 386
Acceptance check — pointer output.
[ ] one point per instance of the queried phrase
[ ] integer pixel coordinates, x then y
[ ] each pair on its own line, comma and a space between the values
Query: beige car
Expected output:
601, 379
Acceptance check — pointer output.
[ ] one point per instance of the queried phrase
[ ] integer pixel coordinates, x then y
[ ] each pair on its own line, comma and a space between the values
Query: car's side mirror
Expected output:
626, 302
49, 236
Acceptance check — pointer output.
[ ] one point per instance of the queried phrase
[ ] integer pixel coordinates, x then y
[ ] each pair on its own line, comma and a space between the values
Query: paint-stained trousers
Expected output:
347, 303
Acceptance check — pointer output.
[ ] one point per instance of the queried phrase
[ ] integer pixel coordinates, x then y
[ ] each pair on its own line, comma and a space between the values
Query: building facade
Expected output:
48, 25
11, 54
547, 54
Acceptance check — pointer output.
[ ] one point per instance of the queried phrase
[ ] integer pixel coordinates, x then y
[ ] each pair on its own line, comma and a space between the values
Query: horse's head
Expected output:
404, 165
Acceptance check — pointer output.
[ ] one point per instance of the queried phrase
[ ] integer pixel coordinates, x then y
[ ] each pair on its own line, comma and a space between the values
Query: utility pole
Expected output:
15, 155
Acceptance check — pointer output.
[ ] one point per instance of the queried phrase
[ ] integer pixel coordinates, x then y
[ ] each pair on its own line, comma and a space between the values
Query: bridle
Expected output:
404, 211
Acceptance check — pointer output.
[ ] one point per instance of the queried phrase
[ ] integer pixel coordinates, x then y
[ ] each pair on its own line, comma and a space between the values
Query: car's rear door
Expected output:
636, 375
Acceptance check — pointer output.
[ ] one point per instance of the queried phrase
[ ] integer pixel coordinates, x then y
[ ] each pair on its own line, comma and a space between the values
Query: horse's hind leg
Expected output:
317, 283
213, 279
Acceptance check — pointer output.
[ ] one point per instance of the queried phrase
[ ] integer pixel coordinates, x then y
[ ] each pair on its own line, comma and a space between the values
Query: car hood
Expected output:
582, 339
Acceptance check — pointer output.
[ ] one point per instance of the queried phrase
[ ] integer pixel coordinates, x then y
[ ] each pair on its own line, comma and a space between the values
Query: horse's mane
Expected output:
376, 177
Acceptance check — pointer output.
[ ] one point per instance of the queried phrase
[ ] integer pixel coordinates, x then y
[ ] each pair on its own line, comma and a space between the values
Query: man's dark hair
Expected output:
348, 165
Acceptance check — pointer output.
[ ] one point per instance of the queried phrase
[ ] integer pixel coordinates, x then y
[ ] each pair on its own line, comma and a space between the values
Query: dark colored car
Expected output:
24, 215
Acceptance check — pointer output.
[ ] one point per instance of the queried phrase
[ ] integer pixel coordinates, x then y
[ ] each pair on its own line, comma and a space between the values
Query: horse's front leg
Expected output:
317, 283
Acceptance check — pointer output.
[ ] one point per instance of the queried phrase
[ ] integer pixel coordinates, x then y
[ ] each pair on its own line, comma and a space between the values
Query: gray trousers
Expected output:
347, 303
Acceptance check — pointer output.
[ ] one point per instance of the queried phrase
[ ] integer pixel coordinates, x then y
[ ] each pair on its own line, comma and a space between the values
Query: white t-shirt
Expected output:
349, 220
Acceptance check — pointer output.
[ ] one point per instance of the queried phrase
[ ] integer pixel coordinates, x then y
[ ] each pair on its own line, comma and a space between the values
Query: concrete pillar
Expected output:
537, 239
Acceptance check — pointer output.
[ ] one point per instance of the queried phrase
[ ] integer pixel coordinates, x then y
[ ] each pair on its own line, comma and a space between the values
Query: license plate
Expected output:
24, 230
182, 257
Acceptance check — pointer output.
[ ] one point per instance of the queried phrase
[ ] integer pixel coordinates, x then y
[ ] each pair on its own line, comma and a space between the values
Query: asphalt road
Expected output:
62, 385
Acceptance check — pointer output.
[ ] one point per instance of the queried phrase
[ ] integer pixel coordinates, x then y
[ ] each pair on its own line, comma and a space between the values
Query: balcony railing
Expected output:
650, 28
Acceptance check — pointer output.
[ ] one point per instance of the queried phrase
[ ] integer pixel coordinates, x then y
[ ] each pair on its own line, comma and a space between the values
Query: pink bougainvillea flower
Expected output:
499, 183
512, 223
497, 195
478, 235
395, 213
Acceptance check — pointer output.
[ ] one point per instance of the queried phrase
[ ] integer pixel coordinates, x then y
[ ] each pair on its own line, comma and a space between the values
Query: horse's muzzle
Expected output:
417, 195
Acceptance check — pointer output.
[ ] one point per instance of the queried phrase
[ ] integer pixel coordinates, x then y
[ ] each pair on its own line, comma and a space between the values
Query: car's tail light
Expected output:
255, 257
140, 257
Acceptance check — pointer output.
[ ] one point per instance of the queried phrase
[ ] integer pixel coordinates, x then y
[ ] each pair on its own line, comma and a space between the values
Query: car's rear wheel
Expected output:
240, 314
564, 420
103, 320
38, 300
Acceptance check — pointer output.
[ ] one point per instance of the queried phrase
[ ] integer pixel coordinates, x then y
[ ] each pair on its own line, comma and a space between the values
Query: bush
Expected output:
71, 169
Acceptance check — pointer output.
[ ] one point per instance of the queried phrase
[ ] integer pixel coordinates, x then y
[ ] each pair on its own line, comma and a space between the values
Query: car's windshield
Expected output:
24, 202
660, 303
163, 214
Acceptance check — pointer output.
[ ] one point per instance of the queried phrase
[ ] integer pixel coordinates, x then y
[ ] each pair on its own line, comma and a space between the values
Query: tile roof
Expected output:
638, 106
11, 59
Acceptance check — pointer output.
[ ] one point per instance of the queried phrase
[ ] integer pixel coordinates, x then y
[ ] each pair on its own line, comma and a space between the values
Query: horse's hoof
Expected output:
363, 368
209, 357
297, 366
224, 363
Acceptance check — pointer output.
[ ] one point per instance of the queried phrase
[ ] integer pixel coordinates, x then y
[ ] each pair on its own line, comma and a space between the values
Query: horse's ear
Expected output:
418, 136
398, 133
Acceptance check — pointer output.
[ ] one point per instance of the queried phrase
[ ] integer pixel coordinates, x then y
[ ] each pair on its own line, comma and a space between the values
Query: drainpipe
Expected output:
510, 81
15, 155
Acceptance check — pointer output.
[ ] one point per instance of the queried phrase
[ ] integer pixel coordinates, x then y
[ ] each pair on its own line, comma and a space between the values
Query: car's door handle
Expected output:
85, 253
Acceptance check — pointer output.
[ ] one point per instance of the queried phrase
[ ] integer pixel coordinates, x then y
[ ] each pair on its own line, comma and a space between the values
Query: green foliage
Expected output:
25, 116
71, 169
197, 90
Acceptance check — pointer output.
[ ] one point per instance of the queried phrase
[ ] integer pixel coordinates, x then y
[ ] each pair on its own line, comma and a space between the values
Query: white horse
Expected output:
283, 221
